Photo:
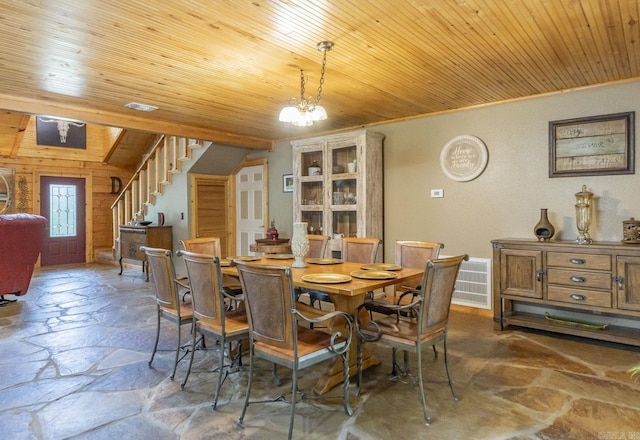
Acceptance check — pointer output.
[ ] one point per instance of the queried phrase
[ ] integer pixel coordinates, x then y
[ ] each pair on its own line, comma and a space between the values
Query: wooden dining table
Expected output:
346, 297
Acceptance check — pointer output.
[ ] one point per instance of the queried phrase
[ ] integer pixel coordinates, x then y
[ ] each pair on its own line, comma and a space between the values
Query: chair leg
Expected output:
406, 363
175, 362
155, 345
345, 383
294, 389
435, 351
359, 366
246, 398
446, 367
274, 375
221, 371
193, 351
427, 419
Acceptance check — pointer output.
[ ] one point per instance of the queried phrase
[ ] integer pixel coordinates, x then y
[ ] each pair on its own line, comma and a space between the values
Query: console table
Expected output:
582, 284
132, 237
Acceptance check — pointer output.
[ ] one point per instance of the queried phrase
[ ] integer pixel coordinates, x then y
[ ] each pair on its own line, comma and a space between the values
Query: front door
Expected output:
250, 207
62, 202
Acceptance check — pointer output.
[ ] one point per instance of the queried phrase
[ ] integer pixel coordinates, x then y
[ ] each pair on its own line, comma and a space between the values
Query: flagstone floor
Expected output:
74, 354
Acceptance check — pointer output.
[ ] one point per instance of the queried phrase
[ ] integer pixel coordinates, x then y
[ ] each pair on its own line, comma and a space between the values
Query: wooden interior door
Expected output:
62, 202
211, 210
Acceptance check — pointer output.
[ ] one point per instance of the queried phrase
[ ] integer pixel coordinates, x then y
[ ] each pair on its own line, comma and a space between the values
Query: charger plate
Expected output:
225, 262
280, 256
247, 258
374, 274
326, 278
381, 266
324, 260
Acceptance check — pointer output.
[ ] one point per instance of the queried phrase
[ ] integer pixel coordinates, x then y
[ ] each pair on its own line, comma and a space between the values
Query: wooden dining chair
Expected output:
424, 322
168, 301
211, 316
317, 249
277, 336
355, 249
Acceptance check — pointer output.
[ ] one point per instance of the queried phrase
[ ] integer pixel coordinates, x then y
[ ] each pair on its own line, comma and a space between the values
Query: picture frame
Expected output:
592, 146
287, 183
57, 132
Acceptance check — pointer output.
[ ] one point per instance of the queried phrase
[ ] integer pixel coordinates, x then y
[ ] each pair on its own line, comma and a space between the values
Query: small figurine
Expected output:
272, 232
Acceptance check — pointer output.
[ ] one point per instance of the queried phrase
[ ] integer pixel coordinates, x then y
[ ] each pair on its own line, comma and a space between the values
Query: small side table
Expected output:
271, 246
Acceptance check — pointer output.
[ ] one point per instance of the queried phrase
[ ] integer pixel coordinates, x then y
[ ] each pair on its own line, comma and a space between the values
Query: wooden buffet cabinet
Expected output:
334, 199
598, 283
132, 237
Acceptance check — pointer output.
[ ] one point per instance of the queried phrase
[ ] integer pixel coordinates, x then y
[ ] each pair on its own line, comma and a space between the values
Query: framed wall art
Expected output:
287, 183
61, 132
464, 158
597, 145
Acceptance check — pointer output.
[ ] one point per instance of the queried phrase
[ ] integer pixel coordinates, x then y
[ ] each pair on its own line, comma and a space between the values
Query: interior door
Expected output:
212, 209
62, 202
250, 207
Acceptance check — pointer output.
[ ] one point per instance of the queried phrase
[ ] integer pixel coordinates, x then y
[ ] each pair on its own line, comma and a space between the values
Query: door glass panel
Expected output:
62, 206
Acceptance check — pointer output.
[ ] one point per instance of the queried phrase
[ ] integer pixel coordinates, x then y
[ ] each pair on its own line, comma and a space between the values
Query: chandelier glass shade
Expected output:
305, 111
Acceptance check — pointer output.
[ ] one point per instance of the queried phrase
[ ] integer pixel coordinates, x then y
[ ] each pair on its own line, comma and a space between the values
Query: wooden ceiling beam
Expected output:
94, 116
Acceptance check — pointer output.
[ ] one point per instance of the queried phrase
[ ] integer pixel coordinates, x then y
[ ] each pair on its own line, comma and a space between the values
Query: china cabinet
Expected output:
337, 185
588, 290
7, 185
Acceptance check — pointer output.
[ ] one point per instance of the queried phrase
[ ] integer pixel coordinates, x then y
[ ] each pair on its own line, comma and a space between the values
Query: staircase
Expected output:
158, 166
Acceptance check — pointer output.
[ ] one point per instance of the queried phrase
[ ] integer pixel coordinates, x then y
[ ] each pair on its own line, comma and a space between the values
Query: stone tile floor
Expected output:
74, 353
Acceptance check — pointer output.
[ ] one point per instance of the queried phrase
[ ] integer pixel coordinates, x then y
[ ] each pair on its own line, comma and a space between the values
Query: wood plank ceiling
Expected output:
221, 70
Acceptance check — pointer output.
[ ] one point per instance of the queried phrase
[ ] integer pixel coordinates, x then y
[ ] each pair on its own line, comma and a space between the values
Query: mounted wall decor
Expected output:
597, 145
464, 158
61, 132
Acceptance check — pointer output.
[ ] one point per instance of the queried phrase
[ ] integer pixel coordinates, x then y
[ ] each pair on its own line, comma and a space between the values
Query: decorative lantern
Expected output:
583, 215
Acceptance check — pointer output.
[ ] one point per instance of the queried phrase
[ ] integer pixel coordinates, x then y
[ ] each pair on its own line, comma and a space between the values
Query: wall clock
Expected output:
464, 158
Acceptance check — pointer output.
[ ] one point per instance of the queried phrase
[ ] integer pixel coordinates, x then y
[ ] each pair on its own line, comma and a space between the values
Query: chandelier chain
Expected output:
324, 61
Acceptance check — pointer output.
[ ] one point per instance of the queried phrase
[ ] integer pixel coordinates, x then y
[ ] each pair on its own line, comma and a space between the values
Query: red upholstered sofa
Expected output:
21, 237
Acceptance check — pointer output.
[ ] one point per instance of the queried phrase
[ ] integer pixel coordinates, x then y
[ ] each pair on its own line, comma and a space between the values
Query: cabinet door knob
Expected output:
577, 297
577, 261
578, 279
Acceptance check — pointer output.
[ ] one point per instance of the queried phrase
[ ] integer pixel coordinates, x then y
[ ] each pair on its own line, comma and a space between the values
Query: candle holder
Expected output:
583, 215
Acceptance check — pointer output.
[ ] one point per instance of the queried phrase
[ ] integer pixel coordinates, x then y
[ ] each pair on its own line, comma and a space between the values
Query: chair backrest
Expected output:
161, 267
269, 299
438, 285
317, 245
415, 254
205, 281
204, 245
360, 250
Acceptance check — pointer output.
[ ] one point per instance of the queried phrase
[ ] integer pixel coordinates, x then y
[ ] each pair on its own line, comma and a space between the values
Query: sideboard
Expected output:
132, 237
587, 290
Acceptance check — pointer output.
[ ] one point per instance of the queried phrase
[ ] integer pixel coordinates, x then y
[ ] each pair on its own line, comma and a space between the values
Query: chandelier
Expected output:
306, 111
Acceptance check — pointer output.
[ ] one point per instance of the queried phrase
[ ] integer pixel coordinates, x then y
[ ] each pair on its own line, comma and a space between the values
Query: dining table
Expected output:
347, 284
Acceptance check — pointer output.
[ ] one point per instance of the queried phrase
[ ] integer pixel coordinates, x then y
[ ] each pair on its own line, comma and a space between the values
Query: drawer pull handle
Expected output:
577, 297
578, 279
577, 261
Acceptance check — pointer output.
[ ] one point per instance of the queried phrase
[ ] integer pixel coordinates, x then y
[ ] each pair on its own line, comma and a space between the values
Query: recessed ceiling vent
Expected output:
141, 107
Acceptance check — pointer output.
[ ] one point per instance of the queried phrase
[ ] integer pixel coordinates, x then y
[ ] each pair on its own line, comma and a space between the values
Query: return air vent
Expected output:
473, 287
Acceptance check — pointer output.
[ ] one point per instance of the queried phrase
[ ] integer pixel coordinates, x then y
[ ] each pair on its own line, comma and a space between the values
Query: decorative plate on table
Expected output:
381, 266
326, 278
324, 260
280, 256
225, 262
374, 274
248, 258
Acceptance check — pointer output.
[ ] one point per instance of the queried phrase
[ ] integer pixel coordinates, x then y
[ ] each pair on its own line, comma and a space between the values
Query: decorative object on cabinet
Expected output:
464, 158
299, 244
336, 203
307, 110
592, 146
544, 230
287, 183
583, 215
132, 237
631, 231
23, 197
272, 232
589, 284
7, 183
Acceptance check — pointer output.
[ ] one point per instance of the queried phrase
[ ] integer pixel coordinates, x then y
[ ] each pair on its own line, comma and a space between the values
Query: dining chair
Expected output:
355, 249
276, 335
424, 324
211, 316
168, 301
317, 249
211, 246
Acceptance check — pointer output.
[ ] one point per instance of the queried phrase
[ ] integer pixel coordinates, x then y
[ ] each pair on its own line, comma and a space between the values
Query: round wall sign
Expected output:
464, 158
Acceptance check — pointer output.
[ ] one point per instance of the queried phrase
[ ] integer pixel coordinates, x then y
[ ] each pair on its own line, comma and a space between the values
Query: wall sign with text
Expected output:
464, 158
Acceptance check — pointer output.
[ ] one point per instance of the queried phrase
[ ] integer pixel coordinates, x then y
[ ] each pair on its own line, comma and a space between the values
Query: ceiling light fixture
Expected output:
306, 111
141, 107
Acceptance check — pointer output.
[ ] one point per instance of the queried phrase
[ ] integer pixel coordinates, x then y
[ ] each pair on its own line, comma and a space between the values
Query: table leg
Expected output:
333, 375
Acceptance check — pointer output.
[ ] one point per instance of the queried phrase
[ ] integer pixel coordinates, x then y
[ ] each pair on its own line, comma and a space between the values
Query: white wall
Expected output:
505, 200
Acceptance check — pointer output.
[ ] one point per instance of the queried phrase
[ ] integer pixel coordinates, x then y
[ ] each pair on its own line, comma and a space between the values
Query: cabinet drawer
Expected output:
579, 261
579, 279
131, 250
133, 237
578, 296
